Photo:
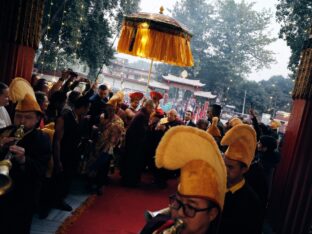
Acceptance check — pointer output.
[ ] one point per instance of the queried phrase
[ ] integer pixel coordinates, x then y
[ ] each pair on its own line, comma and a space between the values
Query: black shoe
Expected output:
64, 206
44, 213
99, 192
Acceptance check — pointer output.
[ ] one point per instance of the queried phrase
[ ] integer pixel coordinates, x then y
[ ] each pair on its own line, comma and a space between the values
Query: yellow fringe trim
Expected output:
158, 46
303, 85
69, 221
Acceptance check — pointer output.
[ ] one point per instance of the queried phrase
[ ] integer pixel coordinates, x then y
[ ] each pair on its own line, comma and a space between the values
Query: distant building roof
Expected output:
143, 82
208, 95
128, 66
194, 83
230, 106
158, 85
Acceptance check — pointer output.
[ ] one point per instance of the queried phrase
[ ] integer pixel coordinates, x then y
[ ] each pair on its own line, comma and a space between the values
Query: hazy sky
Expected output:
282, 52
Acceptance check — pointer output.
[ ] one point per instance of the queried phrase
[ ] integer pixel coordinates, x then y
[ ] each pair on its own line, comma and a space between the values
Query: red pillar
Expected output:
20, 24
291, 202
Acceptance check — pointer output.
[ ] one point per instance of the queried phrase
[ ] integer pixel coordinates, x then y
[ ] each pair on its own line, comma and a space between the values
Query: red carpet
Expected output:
121, 210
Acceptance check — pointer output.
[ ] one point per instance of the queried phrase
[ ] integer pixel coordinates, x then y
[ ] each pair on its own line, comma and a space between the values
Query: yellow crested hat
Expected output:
21, 92
18, 88
242, 142
28, 104
196, 153
117, 98
235, 121
275, 124
213, 128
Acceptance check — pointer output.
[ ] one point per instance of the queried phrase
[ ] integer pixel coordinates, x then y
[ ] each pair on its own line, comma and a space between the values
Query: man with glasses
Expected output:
197, 204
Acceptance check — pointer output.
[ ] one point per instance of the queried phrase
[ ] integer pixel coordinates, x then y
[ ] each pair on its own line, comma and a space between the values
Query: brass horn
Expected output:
5, 179
5, 165
151, 214
174, 229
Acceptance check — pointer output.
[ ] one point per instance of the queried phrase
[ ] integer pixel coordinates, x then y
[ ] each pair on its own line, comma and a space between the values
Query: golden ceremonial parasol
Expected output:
157, 37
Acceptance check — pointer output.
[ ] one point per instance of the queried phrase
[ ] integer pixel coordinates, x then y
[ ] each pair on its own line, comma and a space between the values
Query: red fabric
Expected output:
159, 112
15, 61
156, 95
121, 210
136, 96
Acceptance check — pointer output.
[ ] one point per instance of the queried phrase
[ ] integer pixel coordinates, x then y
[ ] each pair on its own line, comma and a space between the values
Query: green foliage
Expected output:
264, 96
232, 32
280, 90
239, 36
295, 18
197, 16
81, 32
255, 96
96, 49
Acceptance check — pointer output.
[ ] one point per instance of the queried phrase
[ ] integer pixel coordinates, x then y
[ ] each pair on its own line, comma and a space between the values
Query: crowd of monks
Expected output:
225, 171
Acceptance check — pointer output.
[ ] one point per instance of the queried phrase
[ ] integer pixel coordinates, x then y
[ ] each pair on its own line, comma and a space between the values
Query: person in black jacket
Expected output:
66, 155
243, 211
188, 119
269, 157
30, 156
99, 100
215, 111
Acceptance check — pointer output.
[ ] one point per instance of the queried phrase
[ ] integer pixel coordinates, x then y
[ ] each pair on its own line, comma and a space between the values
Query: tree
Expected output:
239, 35
196, 16
295, 18
266, 96
255, 96
279, 88
81, 32
96, 47
229, 41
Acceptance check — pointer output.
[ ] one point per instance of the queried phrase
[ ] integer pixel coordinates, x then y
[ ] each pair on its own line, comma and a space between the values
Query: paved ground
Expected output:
56, 217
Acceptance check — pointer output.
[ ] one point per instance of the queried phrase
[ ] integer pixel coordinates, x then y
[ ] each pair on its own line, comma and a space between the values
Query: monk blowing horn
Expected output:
171, 227
20, 92
5, 165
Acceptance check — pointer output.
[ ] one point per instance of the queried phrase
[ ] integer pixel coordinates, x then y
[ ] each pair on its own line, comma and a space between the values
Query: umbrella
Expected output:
157, 37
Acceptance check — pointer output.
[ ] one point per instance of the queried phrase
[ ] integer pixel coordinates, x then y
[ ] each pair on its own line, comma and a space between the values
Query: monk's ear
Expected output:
213, 213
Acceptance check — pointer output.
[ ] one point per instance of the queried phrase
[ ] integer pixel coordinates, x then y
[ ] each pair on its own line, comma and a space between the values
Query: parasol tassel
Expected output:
134, 33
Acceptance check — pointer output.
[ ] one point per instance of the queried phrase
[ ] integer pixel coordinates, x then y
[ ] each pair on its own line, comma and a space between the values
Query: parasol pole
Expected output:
152, 61
149, 75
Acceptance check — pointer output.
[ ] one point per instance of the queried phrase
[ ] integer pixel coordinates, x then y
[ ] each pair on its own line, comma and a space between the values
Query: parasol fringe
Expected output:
158, 46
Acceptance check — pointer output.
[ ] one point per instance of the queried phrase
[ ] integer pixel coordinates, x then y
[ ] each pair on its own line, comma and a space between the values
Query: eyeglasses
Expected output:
188, 210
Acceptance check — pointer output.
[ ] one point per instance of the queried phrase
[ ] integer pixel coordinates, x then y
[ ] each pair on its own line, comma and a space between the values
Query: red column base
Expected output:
15, 61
